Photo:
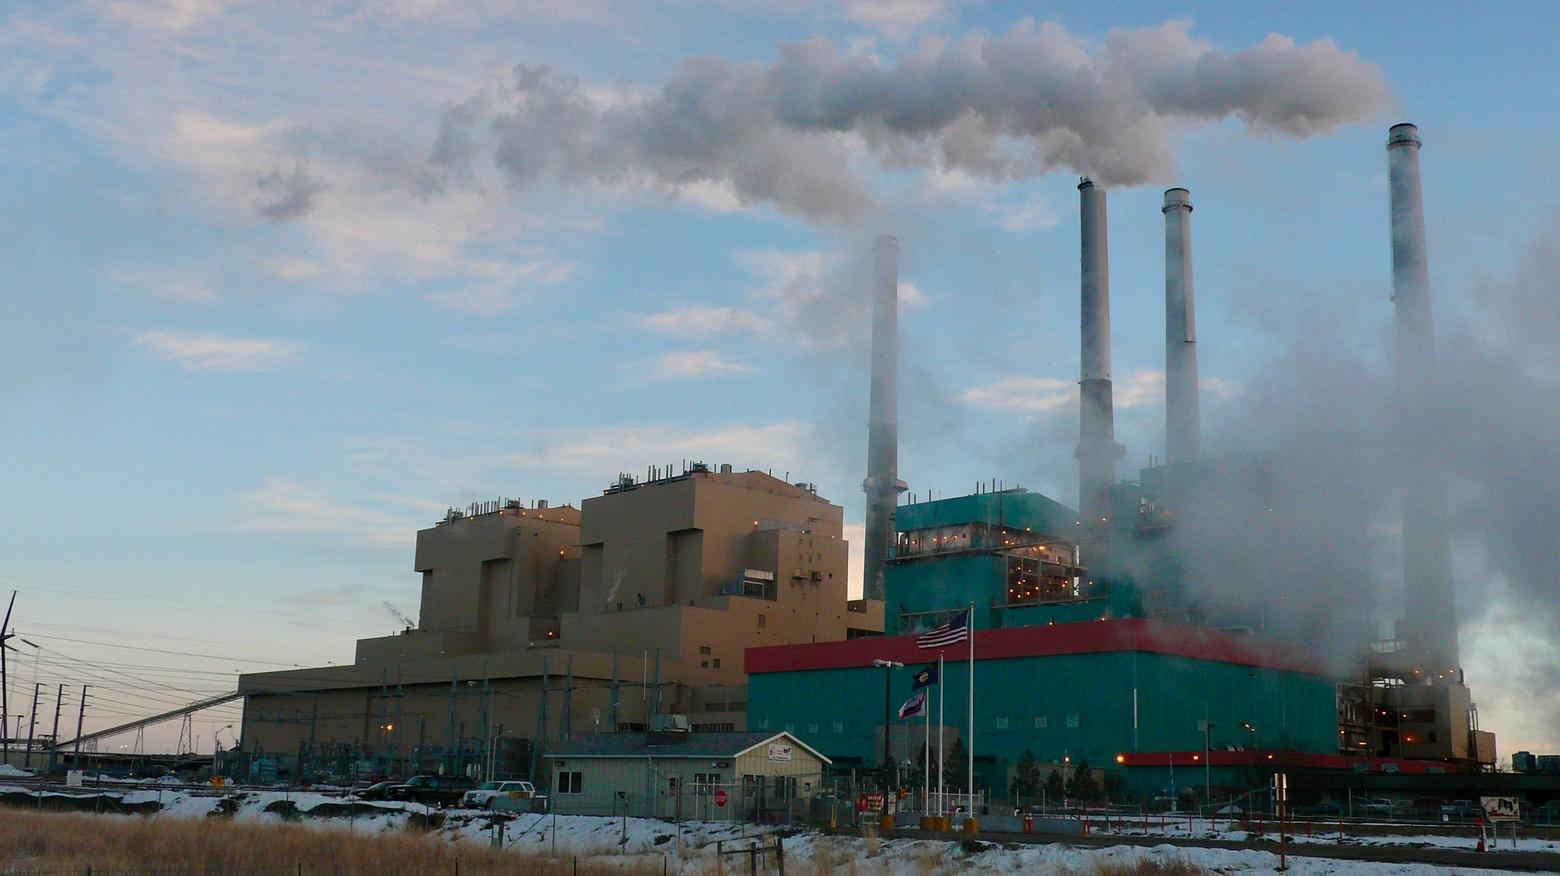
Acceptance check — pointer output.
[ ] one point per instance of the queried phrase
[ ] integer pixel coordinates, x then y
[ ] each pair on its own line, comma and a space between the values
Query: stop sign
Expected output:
720, 796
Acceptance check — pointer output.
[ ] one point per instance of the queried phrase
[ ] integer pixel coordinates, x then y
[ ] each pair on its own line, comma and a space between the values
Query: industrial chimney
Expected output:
1183, 422
1429, 624
1097, 447
882, 485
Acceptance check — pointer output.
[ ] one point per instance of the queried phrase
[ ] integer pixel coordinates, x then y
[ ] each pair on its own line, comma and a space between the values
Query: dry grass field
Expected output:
71, 843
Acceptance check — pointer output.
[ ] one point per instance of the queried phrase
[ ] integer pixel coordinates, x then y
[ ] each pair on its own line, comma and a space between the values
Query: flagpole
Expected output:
926, 761
971, 631
942, 789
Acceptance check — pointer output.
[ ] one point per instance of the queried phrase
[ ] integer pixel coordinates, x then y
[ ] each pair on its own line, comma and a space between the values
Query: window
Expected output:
1002, 723
1074, 720
763, 723
813, 727
839, 727
1041, 722
717, 727
763, 621
704, 664
704, 649
715, 663
570, 782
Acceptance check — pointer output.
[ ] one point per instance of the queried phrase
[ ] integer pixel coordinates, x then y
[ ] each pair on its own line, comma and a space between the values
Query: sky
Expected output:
281, 282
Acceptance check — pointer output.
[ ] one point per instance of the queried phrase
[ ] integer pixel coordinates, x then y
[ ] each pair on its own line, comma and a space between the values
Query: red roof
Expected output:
1049, 640
1276, 758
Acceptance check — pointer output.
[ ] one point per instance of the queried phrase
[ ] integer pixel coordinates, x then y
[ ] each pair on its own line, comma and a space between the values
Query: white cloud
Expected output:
208, 351
694, 363
1027, 394
896, 18
695, 321
1036, 395
1031, 214
595, 451
855, 558
1139, 389
911, 297
163, 15
286, 506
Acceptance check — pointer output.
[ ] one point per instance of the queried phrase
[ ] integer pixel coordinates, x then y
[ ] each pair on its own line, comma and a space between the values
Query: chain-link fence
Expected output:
754, 799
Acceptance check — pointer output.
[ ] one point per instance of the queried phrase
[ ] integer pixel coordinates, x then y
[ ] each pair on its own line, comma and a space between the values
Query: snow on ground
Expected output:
12, 772
690, 846
1453, 837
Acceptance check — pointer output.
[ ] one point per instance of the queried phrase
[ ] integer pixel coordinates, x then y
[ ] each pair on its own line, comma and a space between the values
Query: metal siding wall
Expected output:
949, 583
1289, 709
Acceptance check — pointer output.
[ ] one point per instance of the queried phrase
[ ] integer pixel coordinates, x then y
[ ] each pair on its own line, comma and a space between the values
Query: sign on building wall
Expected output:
781, 751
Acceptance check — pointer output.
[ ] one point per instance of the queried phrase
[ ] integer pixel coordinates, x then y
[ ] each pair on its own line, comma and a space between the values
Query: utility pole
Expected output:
614, 708
400, 698
485, 724
541, 724
81, 716
32, 723
5, 685
54, 740
655, 701
449, 734
566, 733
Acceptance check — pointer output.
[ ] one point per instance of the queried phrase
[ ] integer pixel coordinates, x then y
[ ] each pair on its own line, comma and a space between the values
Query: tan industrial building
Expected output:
541, 624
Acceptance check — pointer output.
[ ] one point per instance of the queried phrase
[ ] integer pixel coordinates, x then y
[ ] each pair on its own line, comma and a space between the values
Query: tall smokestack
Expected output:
882, 485
1183, 421
1430, 618
1097, 447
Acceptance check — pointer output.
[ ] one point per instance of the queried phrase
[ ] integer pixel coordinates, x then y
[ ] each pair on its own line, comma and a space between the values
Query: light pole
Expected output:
216, 748
888, 667
1245, 725
492, 746
1208, 761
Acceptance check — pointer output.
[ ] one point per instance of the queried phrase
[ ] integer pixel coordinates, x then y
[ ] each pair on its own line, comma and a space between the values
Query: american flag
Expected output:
956, 630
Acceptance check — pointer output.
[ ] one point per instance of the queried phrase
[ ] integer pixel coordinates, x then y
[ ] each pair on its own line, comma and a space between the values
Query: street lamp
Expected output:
1244, 725
888, 667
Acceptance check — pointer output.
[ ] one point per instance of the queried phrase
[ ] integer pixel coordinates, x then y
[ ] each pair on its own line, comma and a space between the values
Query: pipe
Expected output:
1097, 448
1183, 421
1429, 625
882, 484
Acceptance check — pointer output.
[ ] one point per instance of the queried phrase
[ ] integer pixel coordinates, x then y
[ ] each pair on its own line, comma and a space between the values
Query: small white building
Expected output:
713, 776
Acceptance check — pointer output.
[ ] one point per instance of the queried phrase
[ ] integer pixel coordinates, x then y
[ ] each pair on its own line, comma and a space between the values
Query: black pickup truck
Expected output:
431, 790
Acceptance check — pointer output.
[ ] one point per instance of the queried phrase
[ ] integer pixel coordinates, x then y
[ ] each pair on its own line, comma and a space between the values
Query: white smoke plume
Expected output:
803, 133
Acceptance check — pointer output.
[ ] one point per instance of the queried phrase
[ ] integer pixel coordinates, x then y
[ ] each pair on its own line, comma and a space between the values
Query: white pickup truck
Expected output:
502, 795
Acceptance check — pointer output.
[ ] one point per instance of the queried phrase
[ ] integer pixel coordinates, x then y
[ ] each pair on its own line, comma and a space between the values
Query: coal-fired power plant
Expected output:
1429, 627
1183, 420
882, 485
1097, 448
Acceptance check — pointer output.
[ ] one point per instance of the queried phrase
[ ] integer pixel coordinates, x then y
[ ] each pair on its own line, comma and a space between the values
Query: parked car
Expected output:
431, 790
491, 794
1378, 806
376, 791
1461, 810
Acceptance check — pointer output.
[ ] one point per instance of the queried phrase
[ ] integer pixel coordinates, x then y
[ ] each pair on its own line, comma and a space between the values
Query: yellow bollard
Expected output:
928, 822
972, 825
886, 821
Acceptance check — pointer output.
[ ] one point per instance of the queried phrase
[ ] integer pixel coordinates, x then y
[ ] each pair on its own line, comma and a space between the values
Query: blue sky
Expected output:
246, 352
